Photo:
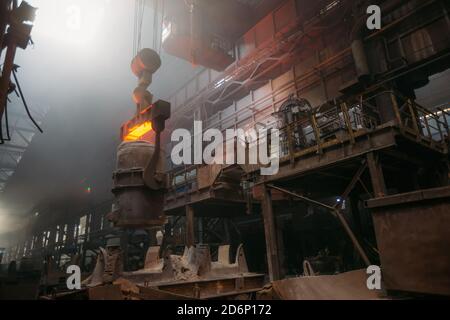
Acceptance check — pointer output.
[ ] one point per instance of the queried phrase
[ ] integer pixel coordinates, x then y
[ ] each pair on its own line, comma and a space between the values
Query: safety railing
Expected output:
417, 120
344, 119
183, 181
340, 121
442, 114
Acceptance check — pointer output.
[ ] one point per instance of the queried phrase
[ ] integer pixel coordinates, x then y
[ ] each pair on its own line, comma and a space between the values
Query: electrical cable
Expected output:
155, 25
135, 27
141, 21
193, 51
163, 13
8, 136
24, 102
138, 21
140, 6
2, 141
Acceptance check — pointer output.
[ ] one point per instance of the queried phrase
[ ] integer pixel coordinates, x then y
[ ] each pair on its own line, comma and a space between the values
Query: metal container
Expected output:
147, 60
137, 205
413, 235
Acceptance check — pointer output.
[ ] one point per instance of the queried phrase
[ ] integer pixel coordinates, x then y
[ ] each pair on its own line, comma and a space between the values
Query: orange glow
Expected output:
138, 131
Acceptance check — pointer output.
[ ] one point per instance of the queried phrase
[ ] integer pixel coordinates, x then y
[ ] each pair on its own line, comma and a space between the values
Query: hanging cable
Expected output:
191, 12
135, 27
8, 136
24, 101
2, 141
141, 21
155, 25
163, 13
158, 24
138, 22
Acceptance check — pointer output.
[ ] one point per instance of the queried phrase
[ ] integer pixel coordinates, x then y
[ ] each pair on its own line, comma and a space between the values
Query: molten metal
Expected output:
138, 131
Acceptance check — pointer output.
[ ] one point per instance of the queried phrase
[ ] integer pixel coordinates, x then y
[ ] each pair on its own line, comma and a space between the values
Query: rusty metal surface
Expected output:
138, 206
345, 286
193, 275
413, 238
218, 287
207, 175
156, 294
407, 198
109, 292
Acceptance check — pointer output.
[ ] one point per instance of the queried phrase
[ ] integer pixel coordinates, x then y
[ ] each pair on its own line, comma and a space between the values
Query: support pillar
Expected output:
190, 236
376, 176
201, 231
270, 232
124, 241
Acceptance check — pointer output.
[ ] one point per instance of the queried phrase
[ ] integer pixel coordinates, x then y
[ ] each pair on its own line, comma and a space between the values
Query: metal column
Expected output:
376, 175
190, 236
270, 232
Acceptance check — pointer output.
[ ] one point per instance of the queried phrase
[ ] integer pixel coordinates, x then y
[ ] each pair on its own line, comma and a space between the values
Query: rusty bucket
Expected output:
137, 205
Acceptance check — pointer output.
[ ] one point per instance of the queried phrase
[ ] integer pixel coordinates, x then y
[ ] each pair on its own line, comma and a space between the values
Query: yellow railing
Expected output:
344, 121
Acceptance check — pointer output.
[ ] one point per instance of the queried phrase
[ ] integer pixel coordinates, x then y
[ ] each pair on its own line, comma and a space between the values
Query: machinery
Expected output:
139, 181
363, 166
301, 123
187, 34
15, 32
139, 185
291, 113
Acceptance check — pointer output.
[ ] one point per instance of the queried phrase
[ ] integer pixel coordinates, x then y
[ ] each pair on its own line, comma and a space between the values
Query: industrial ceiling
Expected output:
22, 132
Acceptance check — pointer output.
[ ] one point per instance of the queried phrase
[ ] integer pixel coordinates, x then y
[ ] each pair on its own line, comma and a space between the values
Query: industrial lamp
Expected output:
21, 20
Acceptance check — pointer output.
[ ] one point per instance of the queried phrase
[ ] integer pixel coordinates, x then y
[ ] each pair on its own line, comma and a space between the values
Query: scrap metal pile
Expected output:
192, 275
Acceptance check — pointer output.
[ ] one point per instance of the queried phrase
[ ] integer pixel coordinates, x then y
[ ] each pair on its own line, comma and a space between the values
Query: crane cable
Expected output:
155, 25
163, 13
139, 14
135, 27
139, 11
141, 21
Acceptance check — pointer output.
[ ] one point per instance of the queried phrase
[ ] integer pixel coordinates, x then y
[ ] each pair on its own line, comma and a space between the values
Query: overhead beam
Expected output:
14, 114
4, 175
27, 141
7, 167
29, 130
8, 147
356, 178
